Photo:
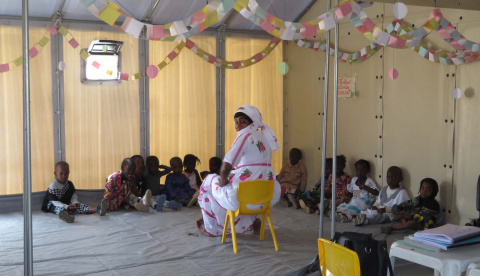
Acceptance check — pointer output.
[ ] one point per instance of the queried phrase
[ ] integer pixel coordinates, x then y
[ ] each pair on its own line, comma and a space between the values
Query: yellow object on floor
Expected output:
336, 260
254, 192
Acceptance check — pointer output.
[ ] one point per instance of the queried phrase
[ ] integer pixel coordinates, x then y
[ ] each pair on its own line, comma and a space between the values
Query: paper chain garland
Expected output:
447, 32
187, 43
33, 52
209, 15
399, 36
286, 30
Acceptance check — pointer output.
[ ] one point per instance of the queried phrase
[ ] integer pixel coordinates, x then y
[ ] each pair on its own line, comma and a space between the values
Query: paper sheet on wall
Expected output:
346, 87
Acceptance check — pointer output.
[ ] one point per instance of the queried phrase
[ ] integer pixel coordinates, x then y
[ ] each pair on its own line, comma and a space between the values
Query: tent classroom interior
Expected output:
407, 98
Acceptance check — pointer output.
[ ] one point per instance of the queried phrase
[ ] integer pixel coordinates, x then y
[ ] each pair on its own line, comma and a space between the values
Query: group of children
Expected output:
136, 185
358, 199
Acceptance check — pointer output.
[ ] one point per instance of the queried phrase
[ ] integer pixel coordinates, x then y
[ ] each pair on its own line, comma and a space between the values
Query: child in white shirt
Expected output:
389, 196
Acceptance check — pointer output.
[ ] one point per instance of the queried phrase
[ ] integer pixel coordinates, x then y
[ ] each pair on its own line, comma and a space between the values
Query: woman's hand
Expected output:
224, 172
223, 182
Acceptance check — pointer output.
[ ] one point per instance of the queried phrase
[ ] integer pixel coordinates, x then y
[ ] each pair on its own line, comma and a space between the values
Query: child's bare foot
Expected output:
256, 226
201, 228
91, 211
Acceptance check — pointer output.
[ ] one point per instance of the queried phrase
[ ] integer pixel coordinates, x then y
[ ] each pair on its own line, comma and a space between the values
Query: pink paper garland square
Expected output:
96, 64
308, 31
343, 10
53, 30
73, 42
267, 26
4, 68
33, 52
124, 76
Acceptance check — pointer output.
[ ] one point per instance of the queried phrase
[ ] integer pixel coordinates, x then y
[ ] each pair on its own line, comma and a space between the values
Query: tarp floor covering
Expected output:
161, 243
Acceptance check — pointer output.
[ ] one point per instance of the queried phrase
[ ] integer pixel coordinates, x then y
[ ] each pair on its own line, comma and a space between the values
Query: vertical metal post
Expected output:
58, 96
335, 112
325, 124
220, 95
27, 162
144, 96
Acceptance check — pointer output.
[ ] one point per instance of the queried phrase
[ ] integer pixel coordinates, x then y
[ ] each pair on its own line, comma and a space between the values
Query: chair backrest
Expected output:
336, 260
254, 192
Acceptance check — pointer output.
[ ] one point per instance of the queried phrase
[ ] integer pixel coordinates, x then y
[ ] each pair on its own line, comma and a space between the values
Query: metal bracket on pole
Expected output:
220, 95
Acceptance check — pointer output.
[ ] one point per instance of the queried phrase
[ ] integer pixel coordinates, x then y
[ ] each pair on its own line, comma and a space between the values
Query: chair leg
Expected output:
225, 226
273, 232
262, 227
234, 234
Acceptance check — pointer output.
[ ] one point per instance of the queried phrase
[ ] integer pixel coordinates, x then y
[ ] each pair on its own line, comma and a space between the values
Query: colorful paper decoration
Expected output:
400, 10
4, 68
239, 64
152, 71
393, 73
209, 15
456, 93
61, 65
124, 76
283, 68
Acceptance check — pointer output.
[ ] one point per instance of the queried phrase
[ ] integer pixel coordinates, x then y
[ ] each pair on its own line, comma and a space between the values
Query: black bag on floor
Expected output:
372, 253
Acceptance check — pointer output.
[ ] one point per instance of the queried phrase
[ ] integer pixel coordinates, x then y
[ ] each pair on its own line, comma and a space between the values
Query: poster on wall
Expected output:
346, 87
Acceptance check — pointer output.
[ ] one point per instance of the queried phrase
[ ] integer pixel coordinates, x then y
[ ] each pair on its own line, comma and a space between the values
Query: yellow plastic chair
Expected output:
336, 260
254, 192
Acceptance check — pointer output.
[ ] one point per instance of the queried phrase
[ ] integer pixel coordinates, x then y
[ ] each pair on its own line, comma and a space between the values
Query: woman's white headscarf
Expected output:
254, 114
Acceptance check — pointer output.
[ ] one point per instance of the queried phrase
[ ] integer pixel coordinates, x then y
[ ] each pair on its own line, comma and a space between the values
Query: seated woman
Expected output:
248, 159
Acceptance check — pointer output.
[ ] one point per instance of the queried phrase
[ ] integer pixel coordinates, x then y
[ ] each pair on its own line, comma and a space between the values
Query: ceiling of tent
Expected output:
166, 10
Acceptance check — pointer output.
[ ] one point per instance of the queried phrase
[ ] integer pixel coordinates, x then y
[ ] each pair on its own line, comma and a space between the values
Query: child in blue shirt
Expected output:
177, 184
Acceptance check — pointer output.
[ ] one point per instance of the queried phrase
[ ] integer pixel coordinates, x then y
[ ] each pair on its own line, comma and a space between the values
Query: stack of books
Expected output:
444, 237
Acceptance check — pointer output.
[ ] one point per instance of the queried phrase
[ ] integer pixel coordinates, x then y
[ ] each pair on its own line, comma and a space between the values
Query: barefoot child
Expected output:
310, 200
189, 163
341, 183
293, 177
61, 198
152, 179
139, 171
419, 213
390, 195
362, 191
178, 185
121, 190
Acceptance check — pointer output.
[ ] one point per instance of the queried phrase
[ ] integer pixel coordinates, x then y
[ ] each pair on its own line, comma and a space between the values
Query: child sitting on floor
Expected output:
61, 198
189, 163
139, 174
177, 184
341, 183
214, 165
362, 190
293, 177
121, 191
310, 200
152, 179
419, 213
390, 195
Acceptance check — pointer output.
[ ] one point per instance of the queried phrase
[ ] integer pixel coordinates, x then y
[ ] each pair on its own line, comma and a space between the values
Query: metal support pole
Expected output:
27, 162
58, 96
144, 98
220, 95
325, 124
335, 112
